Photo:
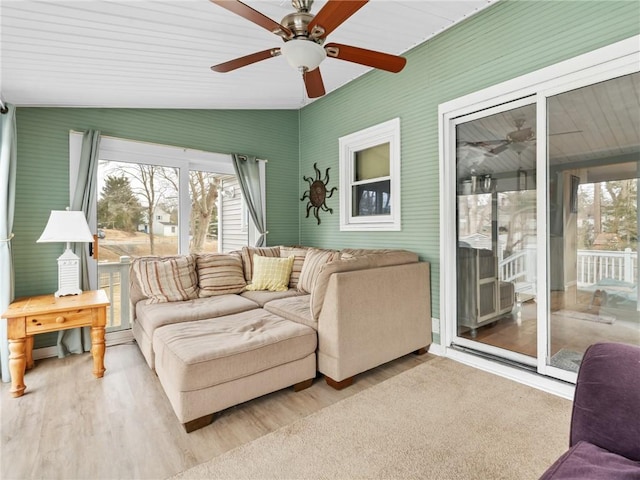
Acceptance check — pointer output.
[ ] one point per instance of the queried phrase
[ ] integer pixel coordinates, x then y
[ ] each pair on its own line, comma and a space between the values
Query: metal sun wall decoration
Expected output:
317, 193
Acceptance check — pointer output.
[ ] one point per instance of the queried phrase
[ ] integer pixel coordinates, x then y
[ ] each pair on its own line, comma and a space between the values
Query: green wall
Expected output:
42, 179
503, 41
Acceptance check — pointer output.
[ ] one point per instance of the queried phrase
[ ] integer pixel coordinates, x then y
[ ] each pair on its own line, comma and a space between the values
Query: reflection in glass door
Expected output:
496, 232
593, 158
541, 175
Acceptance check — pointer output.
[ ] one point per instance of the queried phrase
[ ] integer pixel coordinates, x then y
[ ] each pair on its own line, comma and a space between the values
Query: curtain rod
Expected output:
3, 107
257, 159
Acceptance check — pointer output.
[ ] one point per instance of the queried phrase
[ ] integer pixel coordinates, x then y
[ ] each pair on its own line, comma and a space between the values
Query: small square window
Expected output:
370, 178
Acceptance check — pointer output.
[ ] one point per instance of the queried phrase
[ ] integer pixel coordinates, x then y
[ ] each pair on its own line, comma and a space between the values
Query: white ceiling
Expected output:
595, 124
157, 54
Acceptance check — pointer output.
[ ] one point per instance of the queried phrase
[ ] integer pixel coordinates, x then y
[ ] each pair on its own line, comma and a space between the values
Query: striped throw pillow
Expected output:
247, 258
271, 273
313, 262
299, 253
219, 274
167, 279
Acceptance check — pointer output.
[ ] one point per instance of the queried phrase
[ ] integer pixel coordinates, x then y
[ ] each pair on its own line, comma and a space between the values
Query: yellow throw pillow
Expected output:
271, 273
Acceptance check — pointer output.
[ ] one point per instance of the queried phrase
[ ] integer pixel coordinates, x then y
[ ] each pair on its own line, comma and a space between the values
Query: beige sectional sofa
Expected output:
213, 343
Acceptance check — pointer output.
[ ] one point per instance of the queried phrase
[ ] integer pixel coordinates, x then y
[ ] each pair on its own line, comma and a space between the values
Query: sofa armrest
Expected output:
372, 316
606, 407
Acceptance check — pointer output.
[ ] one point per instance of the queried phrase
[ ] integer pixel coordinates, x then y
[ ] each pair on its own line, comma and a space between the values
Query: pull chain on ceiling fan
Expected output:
304, 35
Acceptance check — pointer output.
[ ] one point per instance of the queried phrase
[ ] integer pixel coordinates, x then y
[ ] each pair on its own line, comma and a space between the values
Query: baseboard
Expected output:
45, 352
436, 349
110, 339
119, 337
546, 384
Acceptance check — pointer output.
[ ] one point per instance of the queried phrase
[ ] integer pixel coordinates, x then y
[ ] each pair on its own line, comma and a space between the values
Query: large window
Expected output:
138, 211
370, 178
161, 200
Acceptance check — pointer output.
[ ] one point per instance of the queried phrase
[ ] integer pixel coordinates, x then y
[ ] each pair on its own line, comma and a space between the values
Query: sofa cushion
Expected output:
607, 412
152, 316
296, 309
247, 258
358, 252
262, 297
271, 273
313, 262
585, 460
219, 274
349, 264
201, 354
299, 253
166, 279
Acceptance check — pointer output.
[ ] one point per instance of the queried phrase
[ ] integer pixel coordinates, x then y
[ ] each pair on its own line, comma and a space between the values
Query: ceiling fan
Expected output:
304, 35
517, 140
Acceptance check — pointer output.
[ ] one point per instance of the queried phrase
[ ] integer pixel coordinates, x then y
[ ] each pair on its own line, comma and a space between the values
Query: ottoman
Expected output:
208, 365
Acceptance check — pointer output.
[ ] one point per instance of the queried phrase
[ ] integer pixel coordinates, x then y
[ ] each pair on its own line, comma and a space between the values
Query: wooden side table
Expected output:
47, 313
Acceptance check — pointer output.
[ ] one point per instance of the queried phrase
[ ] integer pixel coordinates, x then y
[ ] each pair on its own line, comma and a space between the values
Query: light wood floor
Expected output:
69, 425
566, 332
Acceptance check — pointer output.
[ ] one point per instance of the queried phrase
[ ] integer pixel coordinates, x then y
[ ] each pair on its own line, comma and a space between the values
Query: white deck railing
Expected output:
113, 277
514, 267
520, 269
594, 265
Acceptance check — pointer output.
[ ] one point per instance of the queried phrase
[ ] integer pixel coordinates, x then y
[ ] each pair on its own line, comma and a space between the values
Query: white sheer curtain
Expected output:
7, 197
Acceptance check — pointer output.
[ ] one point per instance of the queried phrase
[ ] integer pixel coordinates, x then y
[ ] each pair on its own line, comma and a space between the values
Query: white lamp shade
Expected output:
66, 226
303, 54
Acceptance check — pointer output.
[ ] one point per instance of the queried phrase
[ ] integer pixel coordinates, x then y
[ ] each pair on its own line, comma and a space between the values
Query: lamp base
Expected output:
68, 274
64, 292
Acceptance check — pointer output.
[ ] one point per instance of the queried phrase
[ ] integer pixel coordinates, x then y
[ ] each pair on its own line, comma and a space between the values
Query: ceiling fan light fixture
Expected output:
303, 55
518, 147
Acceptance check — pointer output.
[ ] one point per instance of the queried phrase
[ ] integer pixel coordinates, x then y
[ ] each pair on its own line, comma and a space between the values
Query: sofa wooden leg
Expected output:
338, 385
302, 385
198, 423
422, 351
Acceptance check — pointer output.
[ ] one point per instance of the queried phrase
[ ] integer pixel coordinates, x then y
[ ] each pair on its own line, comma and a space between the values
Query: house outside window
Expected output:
370, 179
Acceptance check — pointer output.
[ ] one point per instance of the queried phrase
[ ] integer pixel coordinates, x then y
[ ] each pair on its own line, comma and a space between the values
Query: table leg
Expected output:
29, 347
17, 364
97, 350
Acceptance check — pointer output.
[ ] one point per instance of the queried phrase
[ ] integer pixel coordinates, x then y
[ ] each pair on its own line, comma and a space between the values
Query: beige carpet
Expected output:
439, 420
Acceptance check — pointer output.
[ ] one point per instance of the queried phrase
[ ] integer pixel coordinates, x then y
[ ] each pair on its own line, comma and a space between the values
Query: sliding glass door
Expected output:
497, 231
593, 169
544, 190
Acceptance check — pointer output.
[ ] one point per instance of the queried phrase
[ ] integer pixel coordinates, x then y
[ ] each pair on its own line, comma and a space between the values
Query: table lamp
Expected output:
71, 227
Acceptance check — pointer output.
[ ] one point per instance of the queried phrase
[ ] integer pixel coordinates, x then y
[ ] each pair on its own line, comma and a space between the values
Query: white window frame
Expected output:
184, 159
387, 132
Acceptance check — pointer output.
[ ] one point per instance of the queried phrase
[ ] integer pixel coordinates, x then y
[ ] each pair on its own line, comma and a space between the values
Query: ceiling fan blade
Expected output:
332, 15
483, 143
565, 133
254, 16
246, 60
499, 148
314, 84
370, 58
